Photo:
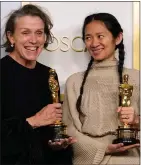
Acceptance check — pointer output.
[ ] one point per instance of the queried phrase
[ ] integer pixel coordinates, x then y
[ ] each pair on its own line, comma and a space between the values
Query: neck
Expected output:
112, 58
106, 63
22, 61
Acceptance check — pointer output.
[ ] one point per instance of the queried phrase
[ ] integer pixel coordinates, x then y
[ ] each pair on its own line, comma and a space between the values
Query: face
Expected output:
28, 38
99, 41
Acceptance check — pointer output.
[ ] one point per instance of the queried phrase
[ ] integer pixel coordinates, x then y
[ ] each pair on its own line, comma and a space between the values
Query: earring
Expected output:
12, 45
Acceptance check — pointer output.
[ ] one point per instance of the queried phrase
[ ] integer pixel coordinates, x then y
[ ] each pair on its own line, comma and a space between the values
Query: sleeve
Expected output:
14, 128
87, 150
18, 138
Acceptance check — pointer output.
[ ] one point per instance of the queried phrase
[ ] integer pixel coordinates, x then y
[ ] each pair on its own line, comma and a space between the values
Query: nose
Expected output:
94, 42
33, 39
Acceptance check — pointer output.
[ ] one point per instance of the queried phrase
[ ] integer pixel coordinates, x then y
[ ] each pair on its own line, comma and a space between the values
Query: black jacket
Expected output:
23, 93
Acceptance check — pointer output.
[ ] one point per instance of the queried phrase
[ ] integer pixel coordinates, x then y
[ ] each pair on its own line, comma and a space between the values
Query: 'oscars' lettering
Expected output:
68, 43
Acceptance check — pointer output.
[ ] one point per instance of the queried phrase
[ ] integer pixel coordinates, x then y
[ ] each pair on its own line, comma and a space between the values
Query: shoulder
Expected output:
43, 67
6, 64
5, 60
75, 78
44, 70
134, 75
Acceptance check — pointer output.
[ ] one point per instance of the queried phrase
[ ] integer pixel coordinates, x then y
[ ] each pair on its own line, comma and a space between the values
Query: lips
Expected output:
97, 51
31, 48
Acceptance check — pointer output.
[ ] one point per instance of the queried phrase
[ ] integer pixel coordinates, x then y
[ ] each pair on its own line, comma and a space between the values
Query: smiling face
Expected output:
99, 41
28, 38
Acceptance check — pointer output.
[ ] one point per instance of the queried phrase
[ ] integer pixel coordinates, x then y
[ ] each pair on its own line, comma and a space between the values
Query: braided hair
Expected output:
114, 27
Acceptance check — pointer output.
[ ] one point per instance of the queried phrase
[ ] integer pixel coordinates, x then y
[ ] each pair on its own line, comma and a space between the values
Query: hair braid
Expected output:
121, 63
78, 103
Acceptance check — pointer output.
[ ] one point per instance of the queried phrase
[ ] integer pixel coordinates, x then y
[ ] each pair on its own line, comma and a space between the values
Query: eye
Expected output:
87, 38
100, 36
25, 32
39, 32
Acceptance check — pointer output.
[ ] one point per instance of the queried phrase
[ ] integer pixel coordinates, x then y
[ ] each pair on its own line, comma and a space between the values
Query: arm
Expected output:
16, 133
18, 138
87, 148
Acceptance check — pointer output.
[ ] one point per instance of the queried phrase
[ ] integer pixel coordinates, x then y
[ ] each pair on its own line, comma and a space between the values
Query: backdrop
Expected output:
67, 53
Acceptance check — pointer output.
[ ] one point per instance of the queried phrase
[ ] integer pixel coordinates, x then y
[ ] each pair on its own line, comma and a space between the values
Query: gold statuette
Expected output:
125, 133
59, 128
54, 86
125, 91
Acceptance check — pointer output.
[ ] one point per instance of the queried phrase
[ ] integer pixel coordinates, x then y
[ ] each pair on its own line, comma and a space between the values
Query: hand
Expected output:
127, 115
62, 144
46, 116
114, 148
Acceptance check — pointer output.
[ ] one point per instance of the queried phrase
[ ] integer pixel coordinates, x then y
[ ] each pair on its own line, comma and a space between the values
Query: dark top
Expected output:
23, 93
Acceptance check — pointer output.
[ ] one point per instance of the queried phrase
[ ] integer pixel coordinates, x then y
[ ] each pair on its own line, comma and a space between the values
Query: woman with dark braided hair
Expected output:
92, 106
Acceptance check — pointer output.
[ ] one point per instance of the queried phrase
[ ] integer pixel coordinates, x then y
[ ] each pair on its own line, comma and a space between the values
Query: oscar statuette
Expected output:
126, 133
58, 128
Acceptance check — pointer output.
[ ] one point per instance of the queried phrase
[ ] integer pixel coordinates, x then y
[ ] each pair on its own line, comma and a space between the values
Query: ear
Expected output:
119, 38
10, 37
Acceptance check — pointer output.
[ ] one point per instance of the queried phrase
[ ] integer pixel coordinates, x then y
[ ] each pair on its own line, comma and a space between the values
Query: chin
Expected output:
32, 58
98, 59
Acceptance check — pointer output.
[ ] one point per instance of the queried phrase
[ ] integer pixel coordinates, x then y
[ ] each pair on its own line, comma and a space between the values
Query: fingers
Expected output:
58, 111
52, 107
58, 114
49, 114
122, 148
68, 141
114, 148
56, 105
119, 145
127, 114
125, 148
54, 110
54, 143
119, 109
131, 146
72, 140
62, 143
126, 110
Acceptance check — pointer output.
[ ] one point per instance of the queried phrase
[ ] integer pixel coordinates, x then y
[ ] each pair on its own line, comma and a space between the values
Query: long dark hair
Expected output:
114, 27
27, 10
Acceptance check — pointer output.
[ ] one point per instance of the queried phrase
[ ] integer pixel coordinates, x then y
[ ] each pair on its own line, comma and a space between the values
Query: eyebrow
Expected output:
100, 33
29, 29
87, 34
96, 33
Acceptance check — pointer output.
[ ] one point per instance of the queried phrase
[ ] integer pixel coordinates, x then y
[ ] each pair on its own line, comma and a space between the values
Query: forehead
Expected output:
29, 22
96, 27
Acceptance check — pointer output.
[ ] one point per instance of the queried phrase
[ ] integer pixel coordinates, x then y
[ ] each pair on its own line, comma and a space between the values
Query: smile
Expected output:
97, 51
31, 48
